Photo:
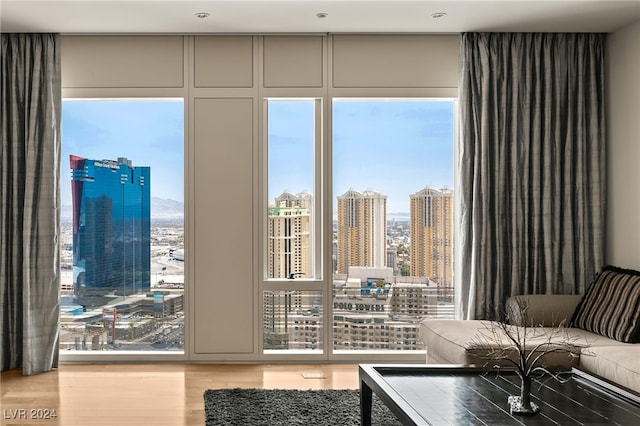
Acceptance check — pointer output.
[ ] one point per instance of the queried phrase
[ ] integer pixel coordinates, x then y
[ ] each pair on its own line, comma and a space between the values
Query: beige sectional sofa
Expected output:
458, 342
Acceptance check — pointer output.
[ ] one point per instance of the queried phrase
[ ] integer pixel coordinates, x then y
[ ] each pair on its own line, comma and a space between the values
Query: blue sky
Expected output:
290, 149
395, 147
149, 133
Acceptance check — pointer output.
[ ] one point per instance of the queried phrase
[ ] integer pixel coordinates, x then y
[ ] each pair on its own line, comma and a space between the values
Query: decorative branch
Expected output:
506, 342
501, 344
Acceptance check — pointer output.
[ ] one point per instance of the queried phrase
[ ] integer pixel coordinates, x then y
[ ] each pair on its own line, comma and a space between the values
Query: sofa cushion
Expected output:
467, 342
447, 341
618, 364
546, 310
611, 305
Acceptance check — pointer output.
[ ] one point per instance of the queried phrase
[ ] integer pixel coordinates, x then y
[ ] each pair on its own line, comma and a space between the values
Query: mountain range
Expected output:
161, 208
165, 208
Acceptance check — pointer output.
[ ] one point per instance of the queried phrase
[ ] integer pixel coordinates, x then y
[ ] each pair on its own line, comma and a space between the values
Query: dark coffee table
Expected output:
444, 394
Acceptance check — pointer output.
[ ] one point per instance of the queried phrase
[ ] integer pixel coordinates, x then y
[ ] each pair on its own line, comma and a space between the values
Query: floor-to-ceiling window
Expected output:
292, 299
392, 205
122, 225
391, 223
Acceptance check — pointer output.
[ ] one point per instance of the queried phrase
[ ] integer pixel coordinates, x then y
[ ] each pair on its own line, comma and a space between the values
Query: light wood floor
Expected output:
147, 394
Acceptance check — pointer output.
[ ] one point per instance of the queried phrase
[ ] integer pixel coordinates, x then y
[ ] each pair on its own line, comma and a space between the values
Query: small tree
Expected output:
405, 269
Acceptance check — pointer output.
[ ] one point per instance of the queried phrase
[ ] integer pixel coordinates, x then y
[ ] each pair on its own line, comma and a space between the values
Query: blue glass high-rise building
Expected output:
111, 229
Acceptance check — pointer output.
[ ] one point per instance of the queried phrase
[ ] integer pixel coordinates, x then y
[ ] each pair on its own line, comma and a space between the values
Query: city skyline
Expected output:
388, 145
394, 148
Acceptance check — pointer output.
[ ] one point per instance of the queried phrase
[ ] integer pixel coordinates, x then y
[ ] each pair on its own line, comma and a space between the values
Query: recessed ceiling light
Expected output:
202, 15
321, 15
438, 15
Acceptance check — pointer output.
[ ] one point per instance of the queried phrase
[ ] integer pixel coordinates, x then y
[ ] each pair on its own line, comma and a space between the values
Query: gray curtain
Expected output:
29, 258
531, 167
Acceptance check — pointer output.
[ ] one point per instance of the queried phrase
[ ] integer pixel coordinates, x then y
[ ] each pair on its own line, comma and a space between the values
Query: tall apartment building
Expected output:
111, 229
392, 260
287, 199
362, 230
432, 235
375, 332
287, 312
289, 256
289, 236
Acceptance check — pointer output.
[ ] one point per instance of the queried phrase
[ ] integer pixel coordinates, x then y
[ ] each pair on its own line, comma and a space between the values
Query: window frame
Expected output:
323, 194
400, 94
316, 283
317, 200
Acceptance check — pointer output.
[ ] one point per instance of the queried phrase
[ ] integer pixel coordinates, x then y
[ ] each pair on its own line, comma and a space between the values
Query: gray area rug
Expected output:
275, 407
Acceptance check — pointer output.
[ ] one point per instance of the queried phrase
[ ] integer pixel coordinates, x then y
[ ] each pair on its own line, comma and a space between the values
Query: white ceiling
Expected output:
299, 16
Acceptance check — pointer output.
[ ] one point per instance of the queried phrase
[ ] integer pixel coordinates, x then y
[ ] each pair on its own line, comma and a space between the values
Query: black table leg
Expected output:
365, 404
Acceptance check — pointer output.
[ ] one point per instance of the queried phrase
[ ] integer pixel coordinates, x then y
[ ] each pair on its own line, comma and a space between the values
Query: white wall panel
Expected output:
122, 61
223, 229
395, 61
293, 61
223, 61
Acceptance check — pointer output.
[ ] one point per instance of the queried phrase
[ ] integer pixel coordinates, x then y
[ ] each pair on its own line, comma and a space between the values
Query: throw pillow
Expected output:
611, 305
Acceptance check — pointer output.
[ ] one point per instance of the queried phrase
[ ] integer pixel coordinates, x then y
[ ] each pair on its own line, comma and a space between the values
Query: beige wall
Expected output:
122, 62
623, 156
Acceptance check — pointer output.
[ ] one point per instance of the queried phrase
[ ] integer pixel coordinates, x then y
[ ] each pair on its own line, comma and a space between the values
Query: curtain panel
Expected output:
531, 167
29, 213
